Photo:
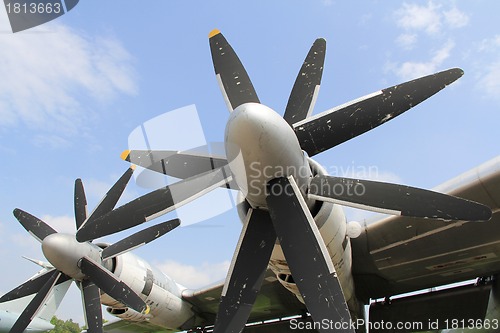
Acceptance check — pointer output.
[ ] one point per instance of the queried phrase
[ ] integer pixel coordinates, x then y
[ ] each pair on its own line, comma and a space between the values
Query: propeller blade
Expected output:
112, 196
80, 204
154, 204
335, 126
40, 263
306, 87
108, 283
36, 227
34, 306
139, 239
232, 77
91, 298
396, 199
177, 164
31, 286
306, 253
246, 273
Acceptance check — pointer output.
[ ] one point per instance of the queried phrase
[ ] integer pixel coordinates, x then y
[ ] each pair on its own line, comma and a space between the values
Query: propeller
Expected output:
154, 204
83, 262
285, 214
291, 220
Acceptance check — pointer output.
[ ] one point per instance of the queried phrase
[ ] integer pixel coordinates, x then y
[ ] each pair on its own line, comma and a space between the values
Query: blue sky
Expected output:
72, 91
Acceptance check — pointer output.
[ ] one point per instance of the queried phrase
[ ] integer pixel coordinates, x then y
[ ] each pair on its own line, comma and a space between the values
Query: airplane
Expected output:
292, 220
296, 255
10, 311
90, 265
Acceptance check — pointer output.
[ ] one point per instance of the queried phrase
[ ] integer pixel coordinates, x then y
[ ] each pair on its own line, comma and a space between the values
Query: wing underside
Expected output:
400, 254
273, 301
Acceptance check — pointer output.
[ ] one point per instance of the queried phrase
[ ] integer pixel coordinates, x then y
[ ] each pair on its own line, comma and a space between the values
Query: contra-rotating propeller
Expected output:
284, 213
88, 264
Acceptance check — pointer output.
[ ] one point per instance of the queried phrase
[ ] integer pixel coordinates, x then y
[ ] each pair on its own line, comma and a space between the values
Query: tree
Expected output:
62, 326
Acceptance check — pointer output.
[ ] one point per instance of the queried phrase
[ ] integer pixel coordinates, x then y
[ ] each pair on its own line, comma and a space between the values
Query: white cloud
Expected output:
454, 18
51, 141
487, 66
407, 41
489, 83
416, 17
411, 70
64, 224
195, 276
489, 44
430, 18
26, 242
49, 73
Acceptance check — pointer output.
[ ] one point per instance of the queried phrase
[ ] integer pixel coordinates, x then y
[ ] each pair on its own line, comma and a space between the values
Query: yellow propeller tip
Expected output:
147, 309
125, 154
213, 33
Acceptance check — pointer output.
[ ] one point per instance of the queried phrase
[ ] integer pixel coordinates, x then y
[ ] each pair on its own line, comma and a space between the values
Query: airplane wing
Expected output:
273, 301
123, 326
398, 254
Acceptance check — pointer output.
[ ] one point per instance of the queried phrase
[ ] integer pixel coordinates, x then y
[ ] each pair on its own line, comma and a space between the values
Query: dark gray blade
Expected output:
306, 253
112, 196
177, 164
306, 86
92, 306
109, 284
333, 127
36, 227
139, 238
31, 286
80, 203
246, 273
154, 204
396, 199
232, 77
34, 306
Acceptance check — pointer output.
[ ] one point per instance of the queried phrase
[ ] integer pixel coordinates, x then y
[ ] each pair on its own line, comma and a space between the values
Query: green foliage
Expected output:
62, 326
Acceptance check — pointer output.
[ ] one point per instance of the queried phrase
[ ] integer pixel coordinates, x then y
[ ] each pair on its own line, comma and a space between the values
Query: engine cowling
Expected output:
128, 314
332, 225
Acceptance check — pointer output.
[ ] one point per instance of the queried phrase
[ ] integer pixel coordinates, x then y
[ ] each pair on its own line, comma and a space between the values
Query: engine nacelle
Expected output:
162, 294
128, 314
331, 223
